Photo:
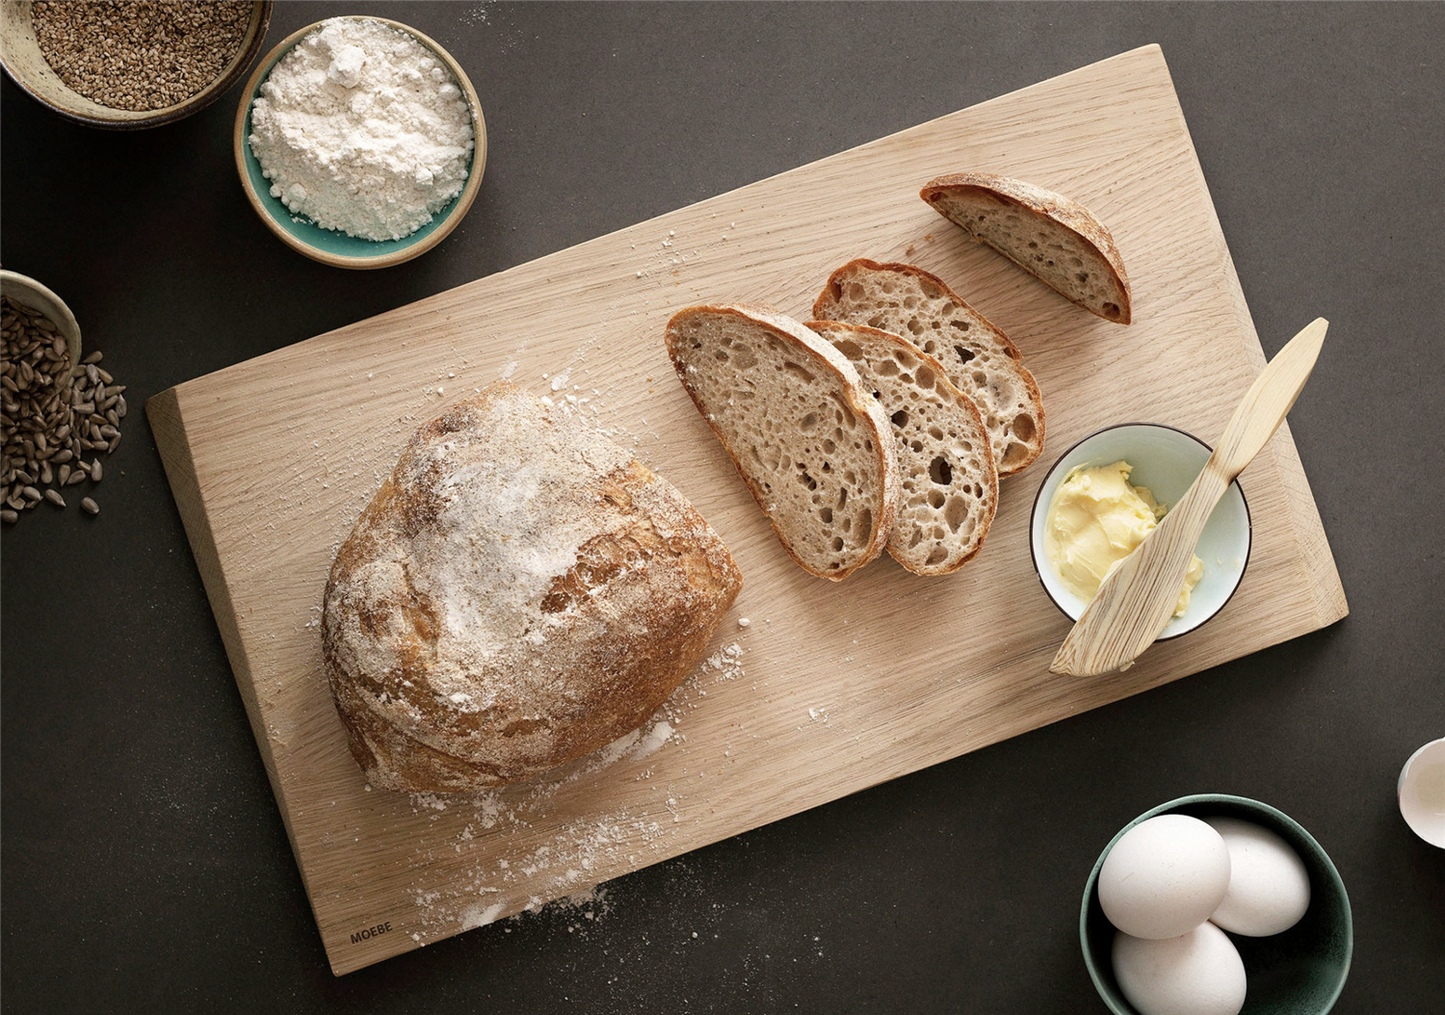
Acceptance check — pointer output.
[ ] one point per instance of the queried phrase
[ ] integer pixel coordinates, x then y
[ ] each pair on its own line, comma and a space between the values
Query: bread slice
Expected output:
519, 593
1050, 236
949, 484
980, 360
815, 451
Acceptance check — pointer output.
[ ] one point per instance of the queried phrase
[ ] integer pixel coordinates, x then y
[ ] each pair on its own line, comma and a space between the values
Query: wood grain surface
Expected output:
829, 688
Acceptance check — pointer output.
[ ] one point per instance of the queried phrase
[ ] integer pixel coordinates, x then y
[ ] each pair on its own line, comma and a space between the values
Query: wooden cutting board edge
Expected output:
1331, 604
165, 415
166, 412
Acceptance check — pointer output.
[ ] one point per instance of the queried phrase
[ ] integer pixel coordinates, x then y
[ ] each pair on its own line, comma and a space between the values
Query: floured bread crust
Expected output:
519, 593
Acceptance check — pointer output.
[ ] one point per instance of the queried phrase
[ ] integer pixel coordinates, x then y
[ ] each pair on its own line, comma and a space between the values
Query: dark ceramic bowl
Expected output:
1298, 972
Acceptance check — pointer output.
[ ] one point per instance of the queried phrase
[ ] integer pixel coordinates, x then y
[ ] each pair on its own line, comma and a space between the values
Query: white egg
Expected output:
1164, 876
1199, 973
1269, 888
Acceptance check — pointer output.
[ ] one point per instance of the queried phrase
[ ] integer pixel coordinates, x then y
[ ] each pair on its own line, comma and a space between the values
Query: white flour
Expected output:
361, 129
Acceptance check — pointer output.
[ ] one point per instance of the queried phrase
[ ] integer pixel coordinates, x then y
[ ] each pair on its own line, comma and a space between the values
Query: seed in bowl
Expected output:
139, 54
52, 414
362, 129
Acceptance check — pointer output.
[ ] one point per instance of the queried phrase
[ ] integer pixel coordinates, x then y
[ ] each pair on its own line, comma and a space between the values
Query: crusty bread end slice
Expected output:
814, 450
949, 484
980, 360
1052, 237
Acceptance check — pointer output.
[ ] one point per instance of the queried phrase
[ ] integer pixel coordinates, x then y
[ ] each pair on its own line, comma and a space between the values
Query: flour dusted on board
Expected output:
363, 130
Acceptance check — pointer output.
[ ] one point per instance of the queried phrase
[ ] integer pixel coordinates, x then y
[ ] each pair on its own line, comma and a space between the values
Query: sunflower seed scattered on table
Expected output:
89, 506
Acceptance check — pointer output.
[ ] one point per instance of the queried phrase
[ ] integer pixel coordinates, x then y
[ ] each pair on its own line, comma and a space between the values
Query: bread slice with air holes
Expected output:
980, 360
1052, 237
949, 484
814, 450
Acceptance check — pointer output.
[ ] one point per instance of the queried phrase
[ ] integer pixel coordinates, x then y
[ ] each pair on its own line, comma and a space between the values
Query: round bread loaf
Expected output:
519, 593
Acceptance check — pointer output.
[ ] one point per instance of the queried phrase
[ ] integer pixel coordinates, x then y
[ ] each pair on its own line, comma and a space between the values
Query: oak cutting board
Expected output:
829, 688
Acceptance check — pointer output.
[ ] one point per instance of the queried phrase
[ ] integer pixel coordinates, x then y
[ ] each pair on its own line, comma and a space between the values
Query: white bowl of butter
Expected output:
1107, 492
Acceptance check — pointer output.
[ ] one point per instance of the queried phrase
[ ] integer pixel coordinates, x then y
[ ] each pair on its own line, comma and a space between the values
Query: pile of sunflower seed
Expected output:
53, 415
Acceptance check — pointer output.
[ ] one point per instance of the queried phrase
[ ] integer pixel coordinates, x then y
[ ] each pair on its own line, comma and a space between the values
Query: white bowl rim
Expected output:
1432, 746
1033, 513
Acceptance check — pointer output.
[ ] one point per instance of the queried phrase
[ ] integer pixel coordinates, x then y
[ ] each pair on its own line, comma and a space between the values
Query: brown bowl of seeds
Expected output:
59, 412
125, 64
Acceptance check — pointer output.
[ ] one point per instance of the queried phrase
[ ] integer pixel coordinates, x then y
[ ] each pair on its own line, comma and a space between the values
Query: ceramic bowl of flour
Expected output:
373, 229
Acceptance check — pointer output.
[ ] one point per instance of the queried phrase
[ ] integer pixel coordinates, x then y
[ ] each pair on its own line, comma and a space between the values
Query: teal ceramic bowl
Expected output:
1299, 972
331, 246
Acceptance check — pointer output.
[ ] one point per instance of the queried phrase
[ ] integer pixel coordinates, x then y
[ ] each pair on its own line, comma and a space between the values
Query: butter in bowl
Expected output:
1106, 493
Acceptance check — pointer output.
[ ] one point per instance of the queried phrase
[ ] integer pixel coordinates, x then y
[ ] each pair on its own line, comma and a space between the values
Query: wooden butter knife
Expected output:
1137, 598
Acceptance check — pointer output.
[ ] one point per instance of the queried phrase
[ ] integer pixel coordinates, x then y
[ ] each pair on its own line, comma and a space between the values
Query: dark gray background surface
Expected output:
145, 866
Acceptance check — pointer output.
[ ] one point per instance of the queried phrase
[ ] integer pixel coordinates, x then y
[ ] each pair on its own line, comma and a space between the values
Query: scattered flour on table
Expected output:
363, 130
476, 14
508, 867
